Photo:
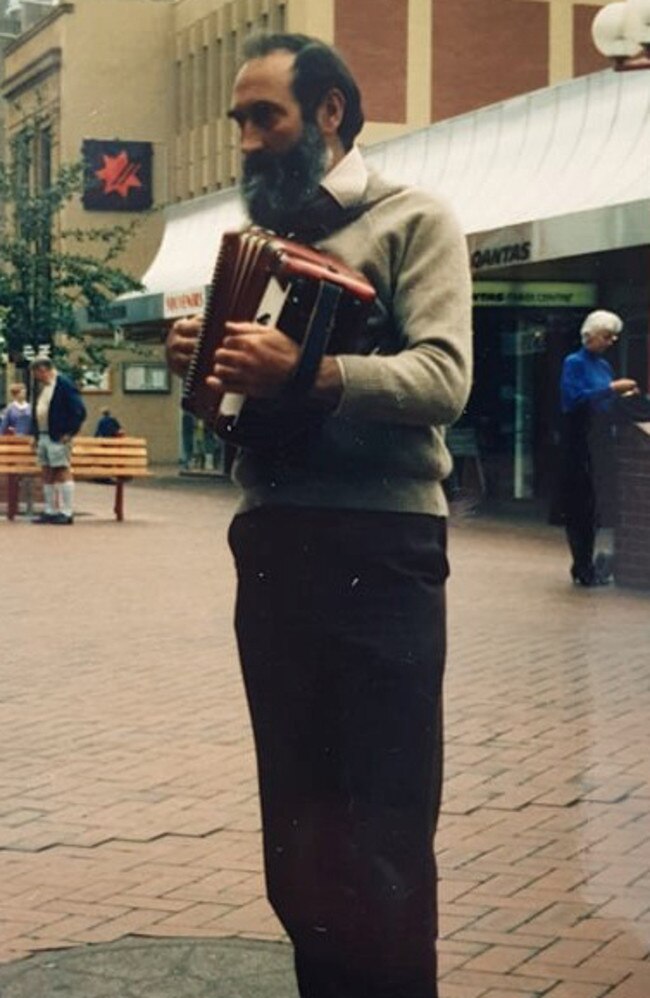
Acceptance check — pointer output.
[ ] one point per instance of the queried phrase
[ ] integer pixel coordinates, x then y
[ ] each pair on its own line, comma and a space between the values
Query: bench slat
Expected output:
105, 452
7, 453
79, 460
110, 471
108, 451
16, 468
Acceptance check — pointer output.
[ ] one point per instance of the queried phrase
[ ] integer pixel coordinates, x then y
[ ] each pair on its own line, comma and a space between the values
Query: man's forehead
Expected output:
266, 77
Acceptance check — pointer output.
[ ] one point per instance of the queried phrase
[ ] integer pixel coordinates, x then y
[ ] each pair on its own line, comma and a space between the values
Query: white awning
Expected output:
574, 147
190, 242
559, 172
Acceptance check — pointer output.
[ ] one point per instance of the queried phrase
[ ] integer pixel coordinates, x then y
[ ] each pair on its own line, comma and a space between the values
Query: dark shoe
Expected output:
587, 577
61, 519
43, 518
603, 567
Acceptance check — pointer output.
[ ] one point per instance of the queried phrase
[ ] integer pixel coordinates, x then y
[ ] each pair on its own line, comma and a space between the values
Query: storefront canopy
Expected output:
559, 172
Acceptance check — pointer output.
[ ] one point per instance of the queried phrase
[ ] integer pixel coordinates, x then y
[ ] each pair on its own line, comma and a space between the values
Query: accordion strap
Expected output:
325, 216
315, 341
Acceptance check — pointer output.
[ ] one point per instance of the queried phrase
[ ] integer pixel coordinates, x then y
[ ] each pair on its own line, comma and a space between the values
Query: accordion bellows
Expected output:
310, 296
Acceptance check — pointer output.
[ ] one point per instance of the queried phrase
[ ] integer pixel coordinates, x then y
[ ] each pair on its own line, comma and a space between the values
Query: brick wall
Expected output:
632, 565
586, 57
373, 40
486, 51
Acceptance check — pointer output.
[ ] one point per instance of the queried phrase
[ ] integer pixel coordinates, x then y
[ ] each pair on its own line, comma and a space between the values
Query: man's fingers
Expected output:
241, 328
181, 342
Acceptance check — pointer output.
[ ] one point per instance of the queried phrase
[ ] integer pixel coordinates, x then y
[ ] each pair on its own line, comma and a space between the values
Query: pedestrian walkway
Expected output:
128, 809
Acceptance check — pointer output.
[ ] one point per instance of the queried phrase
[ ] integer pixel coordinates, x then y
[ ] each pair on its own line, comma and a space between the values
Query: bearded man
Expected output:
340, 548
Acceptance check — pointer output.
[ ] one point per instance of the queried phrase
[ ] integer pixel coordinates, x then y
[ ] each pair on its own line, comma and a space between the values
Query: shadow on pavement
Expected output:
154, 968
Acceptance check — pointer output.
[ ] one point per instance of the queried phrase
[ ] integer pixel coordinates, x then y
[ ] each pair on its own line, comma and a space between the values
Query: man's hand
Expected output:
624, 386
254, 360
180, 343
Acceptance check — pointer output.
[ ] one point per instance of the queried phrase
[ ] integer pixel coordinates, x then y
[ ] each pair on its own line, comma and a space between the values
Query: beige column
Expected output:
418, 61
560, 65
312, 17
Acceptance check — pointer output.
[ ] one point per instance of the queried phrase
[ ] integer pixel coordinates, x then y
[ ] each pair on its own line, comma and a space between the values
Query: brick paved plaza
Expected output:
127, 786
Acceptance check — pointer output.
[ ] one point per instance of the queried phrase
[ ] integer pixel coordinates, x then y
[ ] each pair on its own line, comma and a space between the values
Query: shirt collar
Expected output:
347, 181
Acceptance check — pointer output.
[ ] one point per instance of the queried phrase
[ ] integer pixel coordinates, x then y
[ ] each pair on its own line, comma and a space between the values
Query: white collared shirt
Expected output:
43, 405
347, 181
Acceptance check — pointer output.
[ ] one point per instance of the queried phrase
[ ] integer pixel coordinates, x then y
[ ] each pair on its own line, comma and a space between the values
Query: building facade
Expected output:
159, 73
417, 62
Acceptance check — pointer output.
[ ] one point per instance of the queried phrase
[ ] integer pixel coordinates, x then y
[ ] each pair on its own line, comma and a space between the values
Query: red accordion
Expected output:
308, 295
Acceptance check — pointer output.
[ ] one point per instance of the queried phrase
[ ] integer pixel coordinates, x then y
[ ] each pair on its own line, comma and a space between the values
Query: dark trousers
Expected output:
581, 535
340, 621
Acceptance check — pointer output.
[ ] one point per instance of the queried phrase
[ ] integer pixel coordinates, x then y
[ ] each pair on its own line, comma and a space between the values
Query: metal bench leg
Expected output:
119, 500
29, 496
13, 487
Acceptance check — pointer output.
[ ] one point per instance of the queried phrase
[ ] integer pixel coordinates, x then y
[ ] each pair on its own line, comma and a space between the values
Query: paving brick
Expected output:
528, 942
448, 990
575, 990
488, 980
128, 800
499, 993
635, 986
501, 959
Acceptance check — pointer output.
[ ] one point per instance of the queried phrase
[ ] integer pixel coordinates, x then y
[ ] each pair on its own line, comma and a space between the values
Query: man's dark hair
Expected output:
318, 68
43, 362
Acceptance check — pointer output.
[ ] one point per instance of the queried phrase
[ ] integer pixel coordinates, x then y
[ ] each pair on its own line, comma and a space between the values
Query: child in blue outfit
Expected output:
17, 417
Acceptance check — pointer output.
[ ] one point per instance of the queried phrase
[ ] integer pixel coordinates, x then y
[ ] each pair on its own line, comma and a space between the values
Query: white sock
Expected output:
48, 496
66, 500
605, 540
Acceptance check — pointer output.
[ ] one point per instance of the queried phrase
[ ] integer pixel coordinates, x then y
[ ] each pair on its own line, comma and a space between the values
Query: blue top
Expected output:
586, 377
18, 418
108, 426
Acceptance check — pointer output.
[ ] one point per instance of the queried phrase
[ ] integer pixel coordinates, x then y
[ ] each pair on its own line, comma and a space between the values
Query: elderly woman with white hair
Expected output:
587, 388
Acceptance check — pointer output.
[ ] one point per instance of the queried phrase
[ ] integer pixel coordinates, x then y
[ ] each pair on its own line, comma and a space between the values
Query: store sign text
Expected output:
533, 294
500, 256
184, 303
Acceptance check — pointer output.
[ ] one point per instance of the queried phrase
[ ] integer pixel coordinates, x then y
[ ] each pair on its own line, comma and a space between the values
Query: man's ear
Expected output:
330, 112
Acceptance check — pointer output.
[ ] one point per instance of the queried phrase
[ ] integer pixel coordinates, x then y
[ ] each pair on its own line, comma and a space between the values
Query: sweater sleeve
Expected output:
73, 408
78, 410
428, 381
576, 387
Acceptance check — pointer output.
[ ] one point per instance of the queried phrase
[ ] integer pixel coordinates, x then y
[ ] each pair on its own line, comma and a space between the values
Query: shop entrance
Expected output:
513, 412
514, 405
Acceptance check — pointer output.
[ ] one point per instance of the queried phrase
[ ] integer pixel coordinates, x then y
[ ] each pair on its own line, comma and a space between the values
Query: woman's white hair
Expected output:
600, 321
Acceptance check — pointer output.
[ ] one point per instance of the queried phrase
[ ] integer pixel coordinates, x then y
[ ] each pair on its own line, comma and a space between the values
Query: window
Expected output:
203, 87
44, 158
146, 376
178, 97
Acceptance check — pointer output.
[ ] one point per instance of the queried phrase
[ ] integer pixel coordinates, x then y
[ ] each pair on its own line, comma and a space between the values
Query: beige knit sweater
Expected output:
383, 448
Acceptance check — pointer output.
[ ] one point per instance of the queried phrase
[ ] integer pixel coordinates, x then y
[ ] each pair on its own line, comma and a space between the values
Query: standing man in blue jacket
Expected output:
58, 414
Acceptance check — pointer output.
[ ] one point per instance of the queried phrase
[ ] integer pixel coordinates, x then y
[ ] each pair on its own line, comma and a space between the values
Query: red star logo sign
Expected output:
118, 174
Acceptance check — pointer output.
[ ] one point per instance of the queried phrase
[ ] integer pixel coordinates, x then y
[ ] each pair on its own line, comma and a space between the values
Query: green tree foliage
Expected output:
47, 273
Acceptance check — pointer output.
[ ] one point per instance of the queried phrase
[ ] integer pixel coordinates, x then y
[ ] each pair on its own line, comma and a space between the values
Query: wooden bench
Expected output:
17, 460
111, 459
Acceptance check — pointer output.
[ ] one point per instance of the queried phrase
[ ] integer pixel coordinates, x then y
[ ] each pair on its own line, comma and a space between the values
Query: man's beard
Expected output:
276, 187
